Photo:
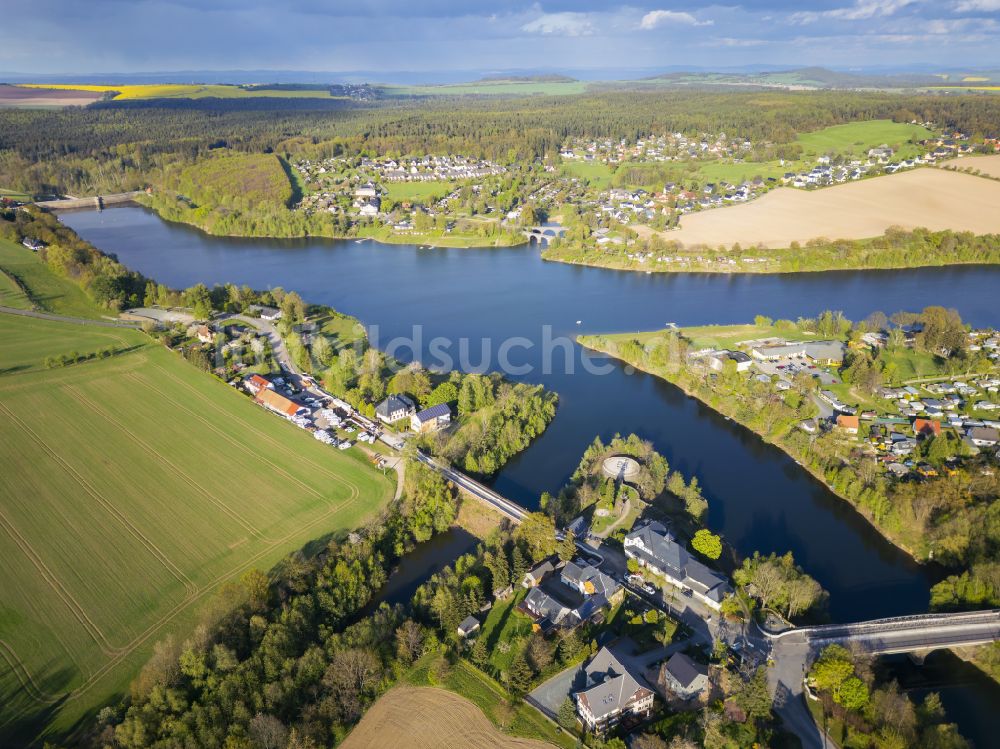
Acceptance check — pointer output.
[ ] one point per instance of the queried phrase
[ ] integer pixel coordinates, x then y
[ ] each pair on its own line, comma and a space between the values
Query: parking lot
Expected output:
788, 367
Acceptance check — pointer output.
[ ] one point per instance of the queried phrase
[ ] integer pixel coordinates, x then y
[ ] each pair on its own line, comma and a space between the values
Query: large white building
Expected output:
658, 551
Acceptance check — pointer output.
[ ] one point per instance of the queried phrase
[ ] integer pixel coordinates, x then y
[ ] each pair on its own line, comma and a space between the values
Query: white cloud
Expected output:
560, 24
862, 10
657, 18
728, 41
971, 6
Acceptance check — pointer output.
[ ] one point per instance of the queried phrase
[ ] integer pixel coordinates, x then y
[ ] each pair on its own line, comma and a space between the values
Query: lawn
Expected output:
855, 138
911, 364
184, 91
596, 172
419, 191
133, 488
721, 336
507, 626
723, 171
48, 291
468, 681
11, 295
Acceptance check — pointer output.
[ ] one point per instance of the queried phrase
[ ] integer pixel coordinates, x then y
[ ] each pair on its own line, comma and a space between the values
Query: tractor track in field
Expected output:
194, 593
280, 445
53, 581
228, 438
107, 504
251, 529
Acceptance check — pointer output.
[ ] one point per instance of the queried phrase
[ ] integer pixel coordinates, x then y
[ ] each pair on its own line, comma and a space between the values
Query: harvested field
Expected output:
931, 198
429, 718
988, 165
19, 96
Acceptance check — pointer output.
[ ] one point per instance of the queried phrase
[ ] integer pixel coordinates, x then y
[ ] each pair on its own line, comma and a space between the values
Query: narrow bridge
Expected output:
794, 649
542, 234
483, 493
98, 201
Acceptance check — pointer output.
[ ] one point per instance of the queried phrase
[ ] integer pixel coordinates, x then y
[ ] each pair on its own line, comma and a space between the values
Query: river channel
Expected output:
473, 305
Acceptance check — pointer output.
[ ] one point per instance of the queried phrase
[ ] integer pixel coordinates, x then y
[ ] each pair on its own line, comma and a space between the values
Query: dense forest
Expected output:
114, 147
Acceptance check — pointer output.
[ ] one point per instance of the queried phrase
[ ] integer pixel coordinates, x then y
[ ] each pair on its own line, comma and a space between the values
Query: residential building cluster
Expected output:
902, 415
664, 147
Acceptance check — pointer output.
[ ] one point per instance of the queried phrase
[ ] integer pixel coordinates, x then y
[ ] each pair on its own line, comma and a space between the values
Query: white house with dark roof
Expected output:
611, 692
683, 677
394, 408
658, 551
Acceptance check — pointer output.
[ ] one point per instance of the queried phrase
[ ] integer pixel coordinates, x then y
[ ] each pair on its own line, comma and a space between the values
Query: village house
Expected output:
683, 677
717, 360
611, 692
431, 419
394, 408
848, 423
590, 581
983, 436
255, 383
534, 576
280, 404
568, 599
926, 427
204, 334
657, 550
267, 313
468, 627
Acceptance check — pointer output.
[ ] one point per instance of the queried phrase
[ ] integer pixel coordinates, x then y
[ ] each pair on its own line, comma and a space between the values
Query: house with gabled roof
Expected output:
394, 408
431, 419
658, 551
683, 677
611, 692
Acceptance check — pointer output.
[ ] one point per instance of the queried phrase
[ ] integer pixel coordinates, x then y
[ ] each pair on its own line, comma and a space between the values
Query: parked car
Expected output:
345, 444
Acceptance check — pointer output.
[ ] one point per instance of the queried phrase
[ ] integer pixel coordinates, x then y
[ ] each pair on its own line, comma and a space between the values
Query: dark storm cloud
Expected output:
145, 35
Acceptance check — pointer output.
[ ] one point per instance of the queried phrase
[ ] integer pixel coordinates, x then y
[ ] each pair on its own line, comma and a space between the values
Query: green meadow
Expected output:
134, 488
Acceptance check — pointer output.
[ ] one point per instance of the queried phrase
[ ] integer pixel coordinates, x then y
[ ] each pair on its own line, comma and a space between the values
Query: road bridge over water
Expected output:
793, 650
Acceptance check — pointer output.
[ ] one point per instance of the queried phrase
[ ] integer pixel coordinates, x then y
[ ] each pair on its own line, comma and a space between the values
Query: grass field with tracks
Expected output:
133, 488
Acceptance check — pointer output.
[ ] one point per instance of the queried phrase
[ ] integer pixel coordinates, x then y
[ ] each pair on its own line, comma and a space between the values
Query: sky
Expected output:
129, 36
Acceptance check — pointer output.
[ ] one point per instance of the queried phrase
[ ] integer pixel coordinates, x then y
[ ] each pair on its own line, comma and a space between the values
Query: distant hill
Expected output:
817, 77
551, 78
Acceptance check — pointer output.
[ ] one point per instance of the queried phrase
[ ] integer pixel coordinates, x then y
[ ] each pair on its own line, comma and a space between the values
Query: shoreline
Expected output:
731, 417
467, 243
631, 267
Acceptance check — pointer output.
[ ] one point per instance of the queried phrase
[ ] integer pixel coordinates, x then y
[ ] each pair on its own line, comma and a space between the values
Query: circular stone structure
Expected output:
620, 467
